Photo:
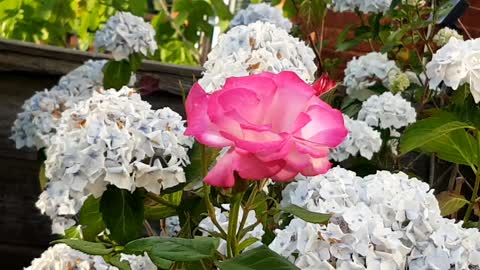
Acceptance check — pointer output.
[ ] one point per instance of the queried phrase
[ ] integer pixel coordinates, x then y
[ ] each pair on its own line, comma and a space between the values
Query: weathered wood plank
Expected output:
23, 56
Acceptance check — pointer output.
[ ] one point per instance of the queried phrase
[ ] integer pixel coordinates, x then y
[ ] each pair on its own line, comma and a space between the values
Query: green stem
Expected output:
232, 242
211, 210
472, 199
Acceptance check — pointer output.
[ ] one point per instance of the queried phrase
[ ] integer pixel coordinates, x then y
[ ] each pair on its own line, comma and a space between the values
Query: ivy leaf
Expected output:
85, 246
91, 218
122, 213
116, 74
258, 259
306, 215
174, 249
450, 202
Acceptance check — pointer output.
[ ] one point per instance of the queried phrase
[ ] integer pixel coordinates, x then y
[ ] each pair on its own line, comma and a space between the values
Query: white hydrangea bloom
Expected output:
387, 111
37, 123
366, 70
455, 64
206, 226
261, 12
443, 36
382, 221
256, 48
61, 256
398, 82
361, 139
365, 6
125, 34
139, 262
61, 204
115, 138
172, 225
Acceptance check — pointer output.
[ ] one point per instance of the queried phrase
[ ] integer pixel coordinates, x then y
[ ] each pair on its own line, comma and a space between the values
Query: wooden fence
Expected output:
24, 69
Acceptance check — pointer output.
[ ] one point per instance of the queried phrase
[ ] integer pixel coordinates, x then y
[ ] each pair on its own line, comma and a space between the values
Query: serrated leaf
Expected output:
450, 203
122, 213
260, 258
306, 215
85, 246
174, 249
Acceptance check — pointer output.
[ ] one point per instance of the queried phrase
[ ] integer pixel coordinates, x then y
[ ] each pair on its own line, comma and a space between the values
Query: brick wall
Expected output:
336, 22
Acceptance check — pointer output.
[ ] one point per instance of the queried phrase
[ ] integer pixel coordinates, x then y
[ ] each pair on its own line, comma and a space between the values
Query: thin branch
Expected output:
465, 29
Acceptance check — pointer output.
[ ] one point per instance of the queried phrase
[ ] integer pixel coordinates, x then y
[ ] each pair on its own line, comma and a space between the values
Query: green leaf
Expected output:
260, 258
362, 94
91, 218
394, 4
428, 130
85, 246
461, 94
348, 45
159, 211
247, 242
122, 213
221, 9
42, 178
74, 232
450, 203
138, 7
135, 60
115, 261
116, 74
306, 215
174, 249
457, 147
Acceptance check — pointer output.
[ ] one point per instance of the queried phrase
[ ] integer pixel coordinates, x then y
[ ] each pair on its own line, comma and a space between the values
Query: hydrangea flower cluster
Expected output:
172, 226
125, 34
38, 121
261, 12
361, 139
112, 138
207, 227
398, 81
365, 6
382, 221
455, 64
253, 49
61, 256
444, 35
387, 111
364, 71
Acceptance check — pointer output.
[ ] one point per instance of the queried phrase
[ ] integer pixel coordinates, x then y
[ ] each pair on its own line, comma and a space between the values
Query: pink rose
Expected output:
274, 125
324, 84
